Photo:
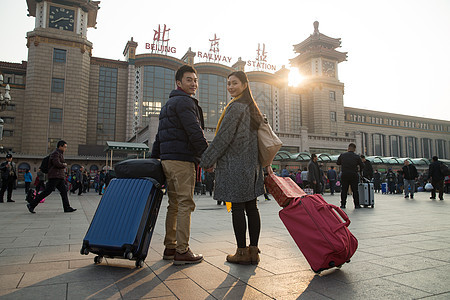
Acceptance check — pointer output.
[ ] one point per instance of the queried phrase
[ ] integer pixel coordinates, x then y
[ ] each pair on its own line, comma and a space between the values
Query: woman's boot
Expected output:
254, 254
242, 257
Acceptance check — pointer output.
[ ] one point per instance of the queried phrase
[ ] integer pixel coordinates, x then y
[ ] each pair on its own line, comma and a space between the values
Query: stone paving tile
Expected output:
237, 291
433, 281
408, 263
27, 267
186, 289
208, 276
10, 281
16, 259
99, 289
356, 271
44, 292
441, 255
142, 284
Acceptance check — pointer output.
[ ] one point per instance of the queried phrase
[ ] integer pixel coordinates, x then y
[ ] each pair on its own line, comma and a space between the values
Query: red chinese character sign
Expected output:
161, 41
213, 55
260, 63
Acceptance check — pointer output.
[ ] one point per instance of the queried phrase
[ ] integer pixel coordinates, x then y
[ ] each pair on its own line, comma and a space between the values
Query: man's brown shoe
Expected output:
187, 258
169, 254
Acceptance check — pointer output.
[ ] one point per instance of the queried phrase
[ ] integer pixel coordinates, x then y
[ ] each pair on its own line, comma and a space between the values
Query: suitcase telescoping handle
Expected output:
341, 213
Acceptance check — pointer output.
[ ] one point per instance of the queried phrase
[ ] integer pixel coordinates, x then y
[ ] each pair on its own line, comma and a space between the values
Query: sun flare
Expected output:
294, 78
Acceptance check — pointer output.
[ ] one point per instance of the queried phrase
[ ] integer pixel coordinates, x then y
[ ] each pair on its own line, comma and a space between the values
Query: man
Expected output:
367, 170
179, 144
332, 177
56, 179
349, 162
409, 178
437, 178
314, 174
9, 176
78, 182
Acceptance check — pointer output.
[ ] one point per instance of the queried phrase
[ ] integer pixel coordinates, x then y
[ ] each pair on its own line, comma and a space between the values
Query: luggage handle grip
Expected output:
341, 213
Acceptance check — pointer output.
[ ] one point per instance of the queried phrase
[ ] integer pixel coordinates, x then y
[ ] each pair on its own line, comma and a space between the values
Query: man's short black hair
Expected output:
363, 156
332, 167
313, 156
352, 146
60, 143
184, 69
435, 158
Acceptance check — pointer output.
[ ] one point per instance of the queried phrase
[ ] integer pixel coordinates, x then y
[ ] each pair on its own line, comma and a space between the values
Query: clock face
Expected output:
61, 18
328, 68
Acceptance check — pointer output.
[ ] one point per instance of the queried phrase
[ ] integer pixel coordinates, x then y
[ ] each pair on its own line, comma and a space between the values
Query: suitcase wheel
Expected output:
338, 267
139, 263
84, 251
128, 255
372, 205
98, 259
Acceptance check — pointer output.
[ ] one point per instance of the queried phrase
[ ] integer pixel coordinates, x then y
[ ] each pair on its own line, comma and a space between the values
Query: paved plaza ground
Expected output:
403, 253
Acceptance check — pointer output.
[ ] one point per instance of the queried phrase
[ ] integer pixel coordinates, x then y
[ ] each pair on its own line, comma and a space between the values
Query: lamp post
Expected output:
5, 100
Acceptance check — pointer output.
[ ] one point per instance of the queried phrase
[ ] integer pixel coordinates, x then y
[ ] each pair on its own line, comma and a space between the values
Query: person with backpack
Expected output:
436, 172
56, 180
409, 178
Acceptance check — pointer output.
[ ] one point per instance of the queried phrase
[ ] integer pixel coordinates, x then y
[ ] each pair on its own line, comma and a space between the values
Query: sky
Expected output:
398, 50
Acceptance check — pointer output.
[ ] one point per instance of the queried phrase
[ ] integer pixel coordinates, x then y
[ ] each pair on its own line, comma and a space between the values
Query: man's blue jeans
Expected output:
411, 183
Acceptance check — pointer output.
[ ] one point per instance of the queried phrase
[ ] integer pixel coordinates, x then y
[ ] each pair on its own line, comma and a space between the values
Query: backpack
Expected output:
44, 164
444, 169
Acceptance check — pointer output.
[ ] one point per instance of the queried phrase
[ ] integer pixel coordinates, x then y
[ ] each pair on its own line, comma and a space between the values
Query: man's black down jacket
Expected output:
180, 133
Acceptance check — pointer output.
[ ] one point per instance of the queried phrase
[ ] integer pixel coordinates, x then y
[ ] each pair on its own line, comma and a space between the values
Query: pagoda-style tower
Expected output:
322, 92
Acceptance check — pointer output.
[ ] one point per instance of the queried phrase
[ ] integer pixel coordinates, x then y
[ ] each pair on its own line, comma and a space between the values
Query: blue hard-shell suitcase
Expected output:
123, 223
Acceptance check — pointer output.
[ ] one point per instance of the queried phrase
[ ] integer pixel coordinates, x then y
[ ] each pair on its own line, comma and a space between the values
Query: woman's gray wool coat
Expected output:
234, 150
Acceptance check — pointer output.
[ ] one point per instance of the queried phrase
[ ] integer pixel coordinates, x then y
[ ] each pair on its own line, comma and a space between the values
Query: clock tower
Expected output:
58, 73
322, 105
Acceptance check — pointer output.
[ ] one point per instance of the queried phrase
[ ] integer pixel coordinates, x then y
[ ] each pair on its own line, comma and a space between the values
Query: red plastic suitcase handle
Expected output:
341, 213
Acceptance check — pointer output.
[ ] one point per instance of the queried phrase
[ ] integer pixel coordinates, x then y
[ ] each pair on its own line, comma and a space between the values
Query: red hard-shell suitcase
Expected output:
321, 232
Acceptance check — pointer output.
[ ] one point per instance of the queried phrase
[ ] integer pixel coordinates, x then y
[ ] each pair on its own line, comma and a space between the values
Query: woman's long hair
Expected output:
256, 116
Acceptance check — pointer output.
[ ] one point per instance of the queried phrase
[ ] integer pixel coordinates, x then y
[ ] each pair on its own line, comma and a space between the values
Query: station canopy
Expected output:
285, 156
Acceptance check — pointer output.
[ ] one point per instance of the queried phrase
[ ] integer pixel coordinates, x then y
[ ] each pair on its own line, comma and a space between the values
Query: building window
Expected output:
378, 144
395, 145
8, 133
441, 149
266, 97
332, 95
11, 107
212, 96
157, 84
364, 143
333, 116
426, 148
8, 120
411, 146
56, 115
107, 98
59, 55
57, 85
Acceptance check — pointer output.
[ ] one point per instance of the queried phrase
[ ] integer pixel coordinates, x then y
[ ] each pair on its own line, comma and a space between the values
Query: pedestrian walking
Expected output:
56, 179
409, 177
28, 178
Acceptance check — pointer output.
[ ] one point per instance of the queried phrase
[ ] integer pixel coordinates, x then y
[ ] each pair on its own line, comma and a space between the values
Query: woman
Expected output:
238, 173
